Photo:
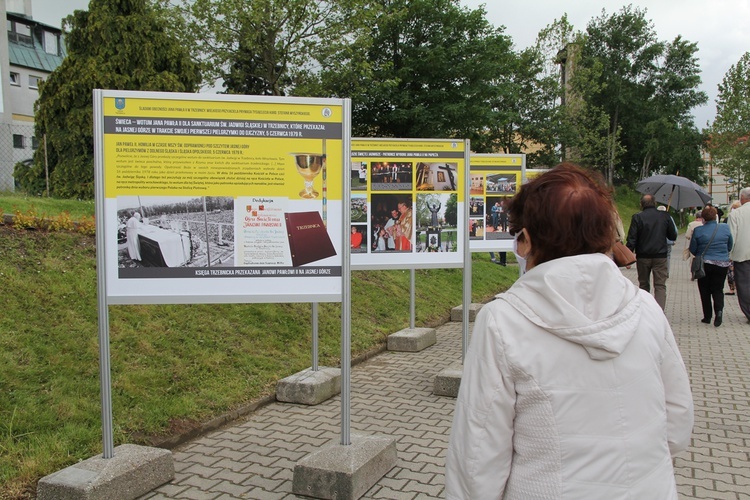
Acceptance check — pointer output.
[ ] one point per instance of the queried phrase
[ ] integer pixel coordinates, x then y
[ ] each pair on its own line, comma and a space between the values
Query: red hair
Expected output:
566, 211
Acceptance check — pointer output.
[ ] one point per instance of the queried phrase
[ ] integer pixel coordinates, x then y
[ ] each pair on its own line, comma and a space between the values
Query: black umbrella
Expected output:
674, 191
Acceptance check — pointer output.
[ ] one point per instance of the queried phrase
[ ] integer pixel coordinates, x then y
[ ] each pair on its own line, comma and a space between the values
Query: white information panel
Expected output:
493, 180
407, 203
218, 198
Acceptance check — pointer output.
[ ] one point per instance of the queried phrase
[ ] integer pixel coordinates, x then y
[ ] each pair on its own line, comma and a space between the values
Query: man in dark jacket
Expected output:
649, 231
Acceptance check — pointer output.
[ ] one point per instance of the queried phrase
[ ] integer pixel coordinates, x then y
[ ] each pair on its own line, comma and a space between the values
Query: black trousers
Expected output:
742, 286
711, 286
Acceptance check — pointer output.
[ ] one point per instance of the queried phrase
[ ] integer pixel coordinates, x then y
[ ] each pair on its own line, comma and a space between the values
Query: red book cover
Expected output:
308, 238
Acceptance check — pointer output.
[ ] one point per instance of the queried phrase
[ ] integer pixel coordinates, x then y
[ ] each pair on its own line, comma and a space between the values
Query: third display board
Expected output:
493, 180
407, 203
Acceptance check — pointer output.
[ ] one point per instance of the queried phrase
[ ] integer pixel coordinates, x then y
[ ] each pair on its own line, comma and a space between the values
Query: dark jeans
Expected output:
711, 286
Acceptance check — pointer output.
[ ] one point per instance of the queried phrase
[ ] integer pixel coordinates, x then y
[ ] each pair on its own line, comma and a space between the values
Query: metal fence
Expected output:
17, 143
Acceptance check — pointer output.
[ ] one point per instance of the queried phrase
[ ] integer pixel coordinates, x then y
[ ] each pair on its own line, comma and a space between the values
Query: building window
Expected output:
51, 45
18, 141
15, 78
20, 33
34, 81
34, 143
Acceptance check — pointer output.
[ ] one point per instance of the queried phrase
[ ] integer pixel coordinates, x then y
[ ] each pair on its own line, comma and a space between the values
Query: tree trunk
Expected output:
646, 166
611, 149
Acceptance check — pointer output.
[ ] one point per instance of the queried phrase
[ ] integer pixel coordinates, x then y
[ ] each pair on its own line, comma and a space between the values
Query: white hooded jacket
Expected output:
573, 388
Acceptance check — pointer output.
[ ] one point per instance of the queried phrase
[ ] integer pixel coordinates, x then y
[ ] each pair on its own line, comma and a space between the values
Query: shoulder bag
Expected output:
622, 255
696, 268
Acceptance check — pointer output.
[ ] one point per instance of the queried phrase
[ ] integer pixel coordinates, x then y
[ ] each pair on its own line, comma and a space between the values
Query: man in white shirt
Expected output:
390, 230
739, 226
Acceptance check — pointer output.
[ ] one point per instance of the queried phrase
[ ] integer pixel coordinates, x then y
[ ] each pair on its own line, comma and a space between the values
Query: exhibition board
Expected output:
251, 187
493, 180
407, 203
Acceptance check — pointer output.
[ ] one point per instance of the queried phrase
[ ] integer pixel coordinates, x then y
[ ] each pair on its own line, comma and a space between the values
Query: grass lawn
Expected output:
10, 203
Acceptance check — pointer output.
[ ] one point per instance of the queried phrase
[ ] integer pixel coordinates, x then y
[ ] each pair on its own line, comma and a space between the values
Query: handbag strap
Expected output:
709, 241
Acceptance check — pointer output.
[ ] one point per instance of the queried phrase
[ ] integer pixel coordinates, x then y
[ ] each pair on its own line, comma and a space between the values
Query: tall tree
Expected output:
419, 68
525, 112
116, 44
263, 47
730, 130
645, 88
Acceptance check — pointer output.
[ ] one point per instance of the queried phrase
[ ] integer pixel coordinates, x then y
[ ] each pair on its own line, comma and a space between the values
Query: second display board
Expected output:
407, 203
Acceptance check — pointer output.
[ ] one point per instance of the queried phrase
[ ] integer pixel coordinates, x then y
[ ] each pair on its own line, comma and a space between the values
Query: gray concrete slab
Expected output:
392, 394
412, 339
448, 381
345, 472
457, 313
309, 387
131, 471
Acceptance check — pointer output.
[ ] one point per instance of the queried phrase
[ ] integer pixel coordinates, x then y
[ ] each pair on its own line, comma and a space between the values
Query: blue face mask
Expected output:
521, 260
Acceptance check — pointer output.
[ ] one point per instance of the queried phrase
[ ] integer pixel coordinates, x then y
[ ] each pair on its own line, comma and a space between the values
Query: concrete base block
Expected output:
412, 339
448, 381
132, 472
344, 472
309, 387
457, 313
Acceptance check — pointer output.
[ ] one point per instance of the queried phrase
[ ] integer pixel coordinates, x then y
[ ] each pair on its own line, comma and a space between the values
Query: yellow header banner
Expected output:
159, 147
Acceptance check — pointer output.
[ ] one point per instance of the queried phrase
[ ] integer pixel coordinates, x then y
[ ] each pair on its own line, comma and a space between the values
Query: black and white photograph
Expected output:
173, 231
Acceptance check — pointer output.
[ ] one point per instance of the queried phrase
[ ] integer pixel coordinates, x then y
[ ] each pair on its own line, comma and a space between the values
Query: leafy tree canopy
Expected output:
264, 47
731, 128
116, 44
644, 88
419, 68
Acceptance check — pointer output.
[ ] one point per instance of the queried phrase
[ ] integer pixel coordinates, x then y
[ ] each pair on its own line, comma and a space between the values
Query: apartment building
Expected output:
723, 190
30, 51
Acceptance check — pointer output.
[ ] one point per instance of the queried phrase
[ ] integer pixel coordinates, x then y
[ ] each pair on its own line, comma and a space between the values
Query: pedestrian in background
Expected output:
670, 243
647, 237
713, 241
739, 226
730, 271
502, 260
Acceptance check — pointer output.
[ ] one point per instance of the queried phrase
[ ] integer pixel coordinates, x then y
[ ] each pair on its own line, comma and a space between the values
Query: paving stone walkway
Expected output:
392, 395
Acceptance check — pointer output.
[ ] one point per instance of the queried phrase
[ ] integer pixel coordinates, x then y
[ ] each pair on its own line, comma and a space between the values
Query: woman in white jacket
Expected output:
573, 386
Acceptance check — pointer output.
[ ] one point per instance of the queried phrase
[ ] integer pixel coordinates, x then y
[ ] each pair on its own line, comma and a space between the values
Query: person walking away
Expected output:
647, 238
573, 386
713, 240
730, 271
739, 226
689, 233
670, 243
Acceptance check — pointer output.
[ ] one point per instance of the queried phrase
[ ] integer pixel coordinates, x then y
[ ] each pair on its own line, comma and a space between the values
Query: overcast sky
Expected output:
720, 27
